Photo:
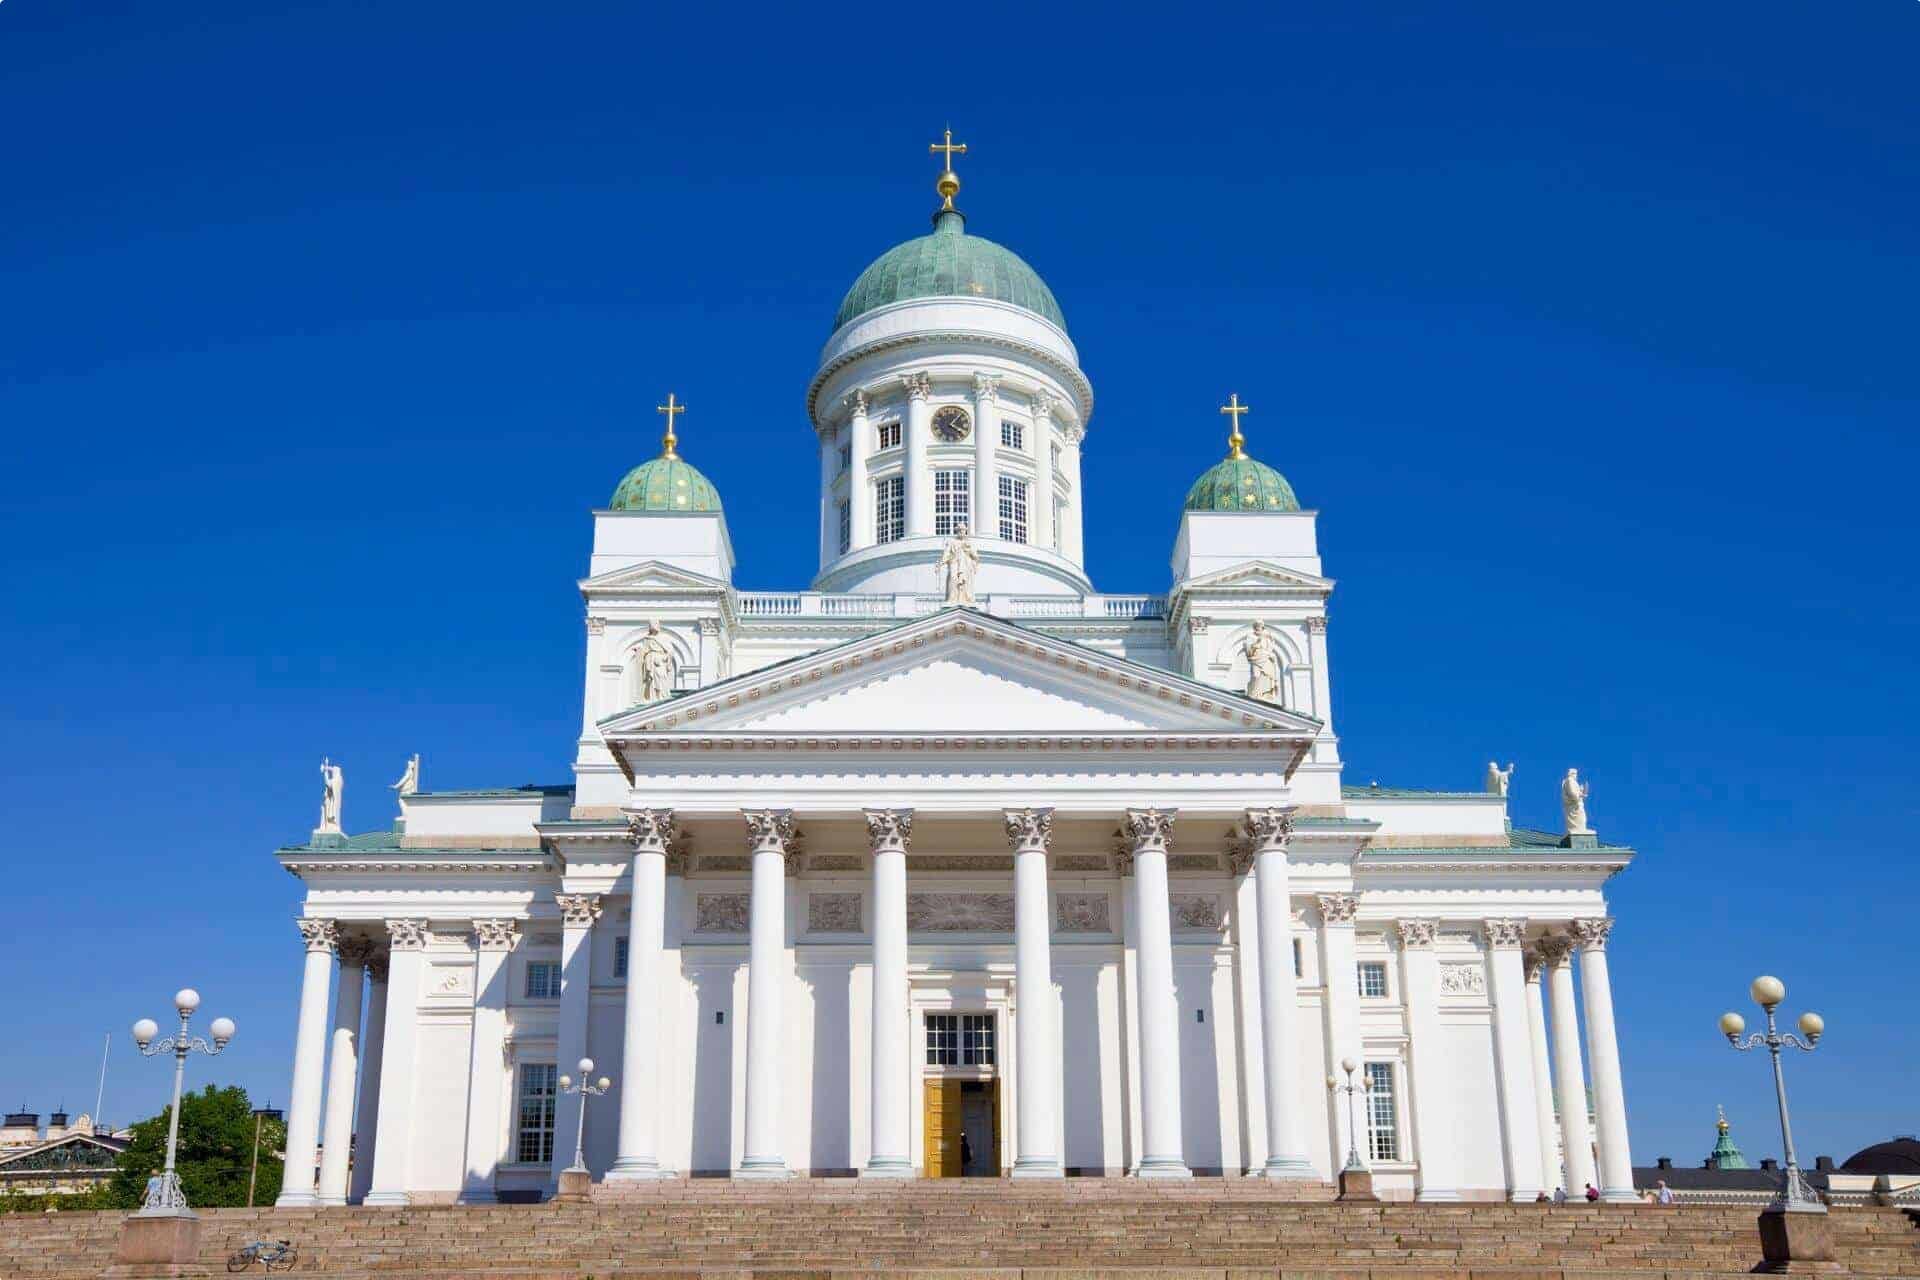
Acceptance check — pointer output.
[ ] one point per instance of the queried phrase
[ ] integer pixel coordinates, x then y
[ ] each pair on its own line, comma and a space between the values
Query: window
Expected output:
1060, 526
952, 499
1383, 1124
533, 1142
1012, 435
1056, 462
889, 510
1296, 956
959, 1039
1013, 509
846, 526
620, 957
543, 980
1373, 978
889, 435
846, 456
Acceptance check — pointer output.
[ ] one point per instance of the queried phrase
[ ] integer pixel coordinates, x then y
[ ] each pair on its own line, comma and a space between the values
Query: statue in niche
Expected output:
410, 780
1498, 778
333, 786
1263, 664
1573, 803
656, 665
961, 564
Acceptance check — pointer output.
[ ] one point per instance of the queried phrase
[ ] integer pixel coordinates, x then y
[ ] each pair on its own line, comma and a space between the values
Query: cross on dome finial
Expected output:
1235, 442
672, 411
948, 183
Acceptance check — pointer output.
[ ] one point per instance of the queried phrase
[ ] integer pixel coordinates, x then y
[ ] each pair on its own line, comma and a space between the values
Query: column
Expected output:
1603, 1059
859, 495
638, 1156
1071, 544
770, 837
1244, 922
1040, 518
1161, 1153
1513, 1060
343, 1070
829, 501
1576, 1146
986, 466
578, 911
1342, 980
919, 478
891, 1079
1542, 1075
487, 1067
373, 1045
1322, 681
393, 1153
1036, 1038
309, 1061
1432, 1134
1271, 830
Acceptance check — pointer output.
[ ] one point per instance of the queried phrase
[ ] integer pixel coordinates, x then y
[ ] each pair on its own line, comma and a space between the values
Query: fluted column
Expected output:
770, 837
309, 1062
578, 911
1271, 830
1513, 1060
638, 1155
829, 501
1433, 1139
986, 466
393, 1153
1542, 1073
1161, 1152
1036, 1039
373, 1044
891, 1078
1040, 518
859, 493
1576, 1144
1341, 977
1072, 541
486, 1057
342, 1070
919, 477
1603, 1059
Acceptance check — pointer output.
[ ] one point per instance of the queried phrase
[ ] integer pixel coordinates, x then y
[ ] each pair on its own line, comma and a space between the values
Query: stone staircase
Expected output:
1077, 1230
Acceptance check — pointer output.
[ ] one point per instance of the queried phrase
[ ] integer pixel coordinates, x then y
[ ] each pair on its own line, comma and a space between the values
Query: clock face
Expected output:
951, 424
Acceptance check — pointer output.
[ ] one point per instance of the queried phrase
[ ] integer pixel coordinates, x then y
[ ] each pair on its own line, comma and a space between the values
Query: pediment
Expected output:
651, 575
1259, 575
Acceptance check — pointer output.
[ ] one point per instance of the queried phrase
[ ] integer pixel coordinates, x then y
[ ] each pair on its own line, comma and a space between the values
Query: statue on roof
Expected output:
1263, 664
333, 787
1573, 803
961, 564
410, 780
1498, 778
656, 665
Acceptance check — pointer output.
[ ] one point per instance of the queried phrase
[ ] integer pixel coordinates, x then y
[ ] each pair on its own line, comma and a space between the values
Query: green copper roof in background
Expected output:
1241, 484
949, 264
665, 484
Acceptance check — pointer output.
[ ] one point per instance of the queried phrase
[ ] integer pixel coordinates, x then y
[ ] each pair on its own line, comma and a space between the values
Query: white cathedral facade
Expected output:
949, 864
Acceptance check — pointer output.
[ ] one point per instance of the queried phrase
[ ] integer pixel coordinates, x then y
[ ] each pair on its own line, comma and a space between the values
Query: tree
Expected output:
215, 1153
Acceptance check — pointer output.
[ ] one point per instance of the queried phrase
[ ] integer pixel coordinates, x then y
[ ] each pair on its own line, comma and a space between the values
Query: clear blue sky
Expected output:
1589, 331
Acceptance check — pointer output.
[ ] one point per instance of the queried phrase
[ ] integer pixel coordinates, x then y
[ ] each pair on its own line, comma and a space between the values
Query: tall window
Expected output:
1373, 978
1056, 462
846, 456
889, 435
890, 509
1012, 435
846, 526
1383, 1120
952, 500
620, 957
960, 1039
1013, 509
533, 1135
543, 980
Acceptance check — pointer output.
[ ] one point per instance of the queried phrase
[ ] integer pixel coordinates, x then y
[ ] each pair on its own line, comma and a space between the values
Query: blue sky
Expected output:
1589, 331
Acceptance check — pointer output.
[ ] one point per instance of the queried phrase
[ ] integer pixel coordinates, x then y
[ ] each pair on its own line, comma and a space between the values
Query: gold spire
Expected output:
948, 183
1721, 1124
1233, 409
672, 410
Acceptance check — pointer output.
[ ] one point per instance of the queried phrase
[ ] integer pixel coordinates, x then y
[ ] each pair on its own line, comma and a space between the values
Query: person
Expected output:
1663, 1194
1593, 1193
966, 1152
1543, 1198
1559, 1195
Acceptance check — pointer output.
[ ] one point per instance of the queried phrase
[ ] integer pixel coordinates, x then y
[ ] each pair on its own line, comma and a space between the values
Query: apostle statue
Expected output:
961, 564
410, 780
1263, 664
656, 665
1498, 778
1573, 803
333, 787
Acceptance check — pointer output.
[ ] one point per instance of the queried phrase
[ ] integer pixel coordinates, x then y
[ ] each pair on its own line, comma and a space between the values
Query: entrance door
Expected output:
963, 1128
944, 1111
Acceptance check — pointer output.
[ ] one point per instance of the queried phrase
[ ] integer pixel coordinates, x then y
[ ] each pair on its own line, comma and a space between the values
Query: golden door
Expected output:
942, 1114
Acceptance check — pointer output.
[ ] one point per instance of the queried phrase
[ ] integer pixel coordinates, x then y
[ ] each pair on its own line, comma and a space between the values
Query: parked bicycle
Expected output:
274, 1255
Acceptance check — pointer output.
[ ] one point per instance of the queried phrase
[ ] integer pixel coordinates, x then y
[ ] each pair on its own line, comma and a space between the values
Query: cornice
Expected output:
412, 862
899, 342
749, 741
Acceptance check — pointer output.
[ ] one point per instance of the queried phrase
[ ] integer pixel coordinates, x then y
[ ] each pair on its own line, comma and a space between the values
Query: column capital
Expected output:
596, 626
319, 935
986, 386
1317, 625
1149, 830
857, 402
888, 830
1591, 935
918, 385
768, 829
651, 830
578, 910
1270, 829
1337, 908
1505, 935
1417, 935
1044, 403
407, 935
1554, 951
1029, 829
356, 950
497, 935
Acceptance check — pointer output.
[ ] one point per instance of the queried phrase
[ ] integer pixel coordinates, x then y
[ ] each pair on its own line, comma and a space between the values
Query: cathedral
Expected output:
949, 864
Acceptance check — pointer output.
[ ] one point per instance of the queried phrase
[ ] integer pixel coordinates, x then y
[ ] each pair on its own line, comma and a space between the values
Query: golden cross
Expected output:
1233, 408
949, 146
672, 410
948, 184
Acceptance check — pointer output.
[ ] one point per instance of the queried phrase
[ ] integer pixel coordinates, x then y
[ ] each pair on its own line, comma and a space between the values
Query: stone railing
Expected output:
822, 604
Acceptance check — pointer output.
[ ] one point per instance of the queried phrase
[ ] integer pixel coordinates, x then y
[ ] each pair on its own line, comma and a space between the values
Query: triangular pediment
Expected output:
651, 575
1259, 575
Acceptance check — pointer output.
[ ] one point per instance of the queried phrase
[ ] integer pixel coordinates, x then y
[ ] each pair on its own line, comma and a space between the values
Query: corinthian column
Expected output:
1576, 1146
1036, 1043
1432, 1140
393, 1153
1040, 515
638, 1156
342, 1070
1161, 1153
859, 494
769, 836
1513, 1060
486, 1057
1270, 831
986, 469
1341, 978
373, 1041
1603, 1059
578, 911
1542, 1073
919, 478
890, 1080
309, 1061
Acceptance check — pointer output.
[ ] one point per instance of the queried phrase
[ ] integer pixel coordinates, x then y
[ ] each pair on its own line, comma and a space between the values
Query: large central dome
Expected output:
949, 264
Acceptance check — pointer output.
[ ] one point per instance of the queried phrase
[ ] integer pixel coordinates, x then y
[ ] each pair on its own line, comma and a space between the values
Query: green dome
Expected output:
1241, 484
949, 264
667, 483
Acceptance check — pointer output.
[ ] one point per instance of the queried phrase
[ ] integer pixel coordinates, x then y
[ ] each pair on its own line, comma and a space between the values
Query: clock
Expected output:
951, 424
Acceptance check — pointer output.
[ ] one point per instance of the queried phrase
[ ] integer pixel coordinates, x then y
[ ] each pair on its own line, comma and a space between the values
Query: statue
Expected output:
1573, 803
410, 780
1498, 778
656, 665
334, 785
1263, 664
962, 565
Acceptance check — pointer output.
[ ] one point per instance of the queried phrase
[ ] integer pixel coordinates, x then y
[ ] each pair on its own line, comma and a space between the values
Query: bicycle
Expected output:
275, 1255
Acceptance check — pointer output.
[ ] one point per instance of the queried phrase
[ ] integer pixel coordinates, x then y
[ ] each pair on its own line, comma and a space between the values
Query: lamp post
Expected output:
1794, 1227
164, 1197
1356, 1180
575, 1180
260, 1116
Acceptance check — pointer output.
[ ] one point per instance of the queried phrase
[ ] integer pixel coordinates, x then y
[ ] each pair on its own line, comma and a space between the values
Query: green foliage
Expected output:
12, 1201
216, 1151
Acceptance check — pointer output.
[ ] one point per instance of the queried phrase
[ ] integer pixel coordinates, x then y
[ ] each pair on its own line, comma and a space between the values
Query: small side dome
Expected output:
1240, 483
668, 482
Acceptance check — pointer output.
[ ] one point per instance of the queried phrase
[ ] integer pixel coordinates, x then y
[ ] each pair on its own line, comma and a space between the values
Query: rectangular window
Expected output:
1296, 957
1373, 979
1383, 1121
889, 435
1056, 462
1059, 526
1012, 435
952, 501
1013, 509
846, 526
620, 957
889, 510
543, 980
960, 1039
533, 1142
846, 457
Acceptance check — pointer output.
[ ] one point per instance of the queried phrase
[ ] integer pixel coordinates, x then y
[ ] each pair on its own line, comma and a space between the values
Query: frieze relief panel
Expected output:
721, 912
1082, 862
833, 913
837, 862
1196, 911
450, 982
943, 862
960, 912
1082, 913
1192, 862
727, 862
1463, 980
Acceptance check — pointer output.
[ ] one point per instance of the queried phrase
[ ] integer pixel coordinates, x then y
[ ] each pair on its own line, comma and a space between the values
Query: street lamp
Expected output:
586, 1089
260, 1116
164, 1197
1768, 992
1356, 1180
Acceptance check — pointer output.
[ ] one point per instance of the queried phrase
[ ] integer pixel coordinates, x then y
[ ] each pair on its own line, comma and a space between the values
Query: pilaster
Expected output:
1433, 1137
